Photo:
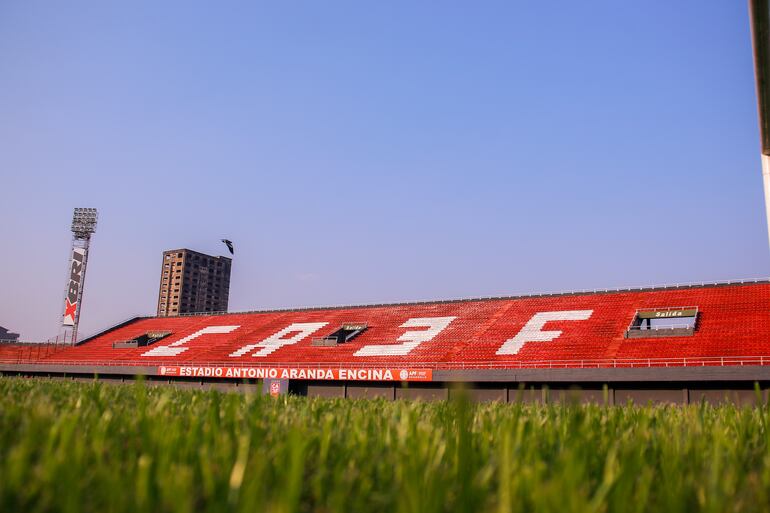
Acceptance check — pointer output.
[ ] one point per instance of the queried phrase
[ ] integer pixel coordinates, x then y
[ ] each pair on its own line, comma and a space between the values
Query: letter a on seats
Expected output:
276, 341
175, 349
533, 330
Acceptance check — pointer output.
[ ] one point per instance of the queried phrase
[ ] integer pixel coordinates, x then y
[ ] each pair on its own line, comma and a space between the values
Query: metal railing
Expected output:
573, 292
33, 352
59, 340
605, 363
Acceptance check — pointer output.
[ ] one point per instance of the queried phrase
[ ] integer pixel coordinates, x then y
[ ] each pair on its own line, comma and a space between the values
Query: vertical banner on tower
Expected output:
72, 298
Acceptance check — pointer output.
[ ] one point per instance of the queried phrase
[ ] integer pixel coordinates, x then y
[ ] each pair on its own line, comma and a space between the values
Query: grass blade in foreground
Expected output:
94, 448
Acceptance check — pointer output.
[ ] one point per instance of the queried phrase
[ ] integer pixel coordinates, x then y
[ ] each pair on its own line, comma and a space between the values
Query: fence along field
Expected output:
95, 448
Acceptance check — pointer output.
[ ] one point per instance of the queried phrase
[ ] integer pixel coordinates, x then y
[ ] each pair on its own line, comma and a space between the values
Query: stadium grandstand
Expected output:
673, 344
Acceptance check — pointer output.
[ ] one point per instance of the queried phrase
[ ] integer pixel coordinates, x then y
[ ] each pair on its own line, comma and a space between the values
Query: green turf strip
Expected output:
109, 448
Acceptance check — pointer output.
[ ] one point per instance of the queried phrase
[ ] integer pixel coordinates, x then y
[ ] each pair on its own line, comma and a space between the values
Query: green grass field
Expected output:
109, 448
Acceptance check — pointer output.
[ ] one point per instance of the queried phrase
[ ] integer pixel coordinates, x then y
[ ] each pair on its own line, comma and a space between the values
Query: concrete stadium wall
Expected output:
661, 387
614, 394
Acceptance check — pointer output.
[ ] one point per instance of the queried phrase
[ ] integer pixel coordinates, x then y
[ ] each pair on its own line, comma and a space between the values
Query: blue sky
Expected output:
375, 151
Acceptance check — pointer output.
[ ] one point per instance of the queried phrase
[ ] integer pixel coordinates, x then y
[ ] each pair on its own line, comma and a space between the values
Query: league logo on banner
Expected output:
73, 291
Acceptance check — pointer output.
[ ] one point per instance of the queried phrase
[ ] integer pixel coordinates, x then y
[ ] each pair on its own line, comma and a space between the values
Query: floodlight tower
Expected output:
83, 226
759, 11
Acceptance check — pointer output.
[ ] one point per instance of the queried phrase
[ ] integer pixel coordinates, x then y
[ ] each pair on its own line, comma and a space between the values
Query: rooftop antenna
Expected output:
83, 226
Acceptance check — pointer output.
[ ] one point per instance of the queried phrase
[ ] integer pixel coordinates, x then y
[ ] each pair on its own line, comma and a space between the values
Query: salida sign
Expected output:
326, 374
73, 291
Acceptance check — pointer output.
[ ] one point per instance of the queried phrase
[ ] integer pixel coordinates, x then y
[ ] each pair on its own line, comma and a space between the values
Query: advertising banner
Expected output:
73, 290
319, 373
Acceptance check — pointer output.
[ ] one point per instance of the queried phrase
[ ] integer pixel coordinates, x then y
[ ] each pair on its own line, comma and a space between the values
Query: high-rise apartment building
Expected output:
193, 282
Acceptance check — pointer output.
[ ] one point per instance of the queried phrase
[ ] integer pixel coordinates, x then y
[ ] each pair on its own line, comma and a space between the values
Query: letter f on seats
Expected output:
533, 330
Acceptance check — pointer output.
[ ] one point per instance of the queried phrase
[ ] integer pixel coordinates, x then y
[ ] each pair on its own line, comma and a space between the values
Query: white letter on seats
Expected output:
532, 331
174, 349
410, 339
274, 342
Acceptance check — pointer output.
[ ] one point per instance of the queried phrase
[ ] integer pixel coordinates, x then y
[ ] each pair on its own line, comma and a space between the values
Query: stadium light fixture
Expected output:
84, 222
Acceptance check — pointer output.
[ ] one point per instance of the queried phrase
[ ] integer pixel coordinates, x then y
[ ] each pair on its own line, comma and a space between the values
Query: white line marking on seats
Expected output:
410, 339
275, 341
532, 331
175, 349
